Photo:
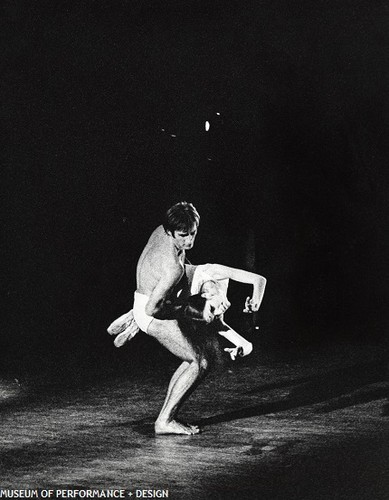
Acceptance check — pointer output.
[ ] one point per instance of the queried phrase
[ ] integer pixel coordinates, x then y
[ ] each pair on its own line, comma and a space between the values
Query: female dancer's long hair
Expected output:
202, 335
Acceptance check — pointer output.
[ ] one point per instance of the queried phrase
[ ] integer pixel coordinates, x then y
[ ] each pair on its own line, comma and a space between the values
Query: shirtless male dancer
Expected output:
159, 272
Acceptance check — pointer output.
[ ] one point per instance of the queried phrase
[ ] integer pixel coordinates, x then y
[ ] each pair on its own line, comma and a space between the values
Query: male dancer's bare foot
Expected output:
175, 427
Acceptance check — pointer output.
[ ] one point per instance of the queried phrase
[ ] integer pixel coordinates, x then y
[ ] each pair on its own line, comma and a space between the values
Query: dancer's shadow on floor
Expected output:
337, 389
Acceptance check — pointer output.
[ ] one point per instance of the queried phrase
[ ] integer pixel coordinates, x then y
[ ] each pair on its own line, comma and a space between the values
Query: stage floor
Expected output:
274, 427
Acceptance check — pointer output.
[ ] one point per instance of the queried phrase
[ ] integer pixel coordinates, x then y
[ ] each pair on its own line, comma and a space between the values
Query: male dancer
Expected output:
159, 273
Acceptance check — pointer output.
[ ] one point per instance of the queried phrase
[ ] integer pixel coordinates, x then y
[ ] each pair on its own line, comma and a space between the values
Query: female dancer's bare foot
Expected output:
175, 427
121, 323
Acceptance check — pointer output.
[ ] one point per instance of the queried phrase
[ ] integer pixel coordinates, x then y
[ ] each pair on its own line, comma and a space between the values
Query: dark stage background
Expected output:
104, 111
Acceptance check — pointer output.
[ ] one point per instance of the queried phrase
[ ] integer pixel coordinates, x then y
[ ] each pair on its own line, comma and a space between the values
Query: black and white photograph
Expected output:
195, 206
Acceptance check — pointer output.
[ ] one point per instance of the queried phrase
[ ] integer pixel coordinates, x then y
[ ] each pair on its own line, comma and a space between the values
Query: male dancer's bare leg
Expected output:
170, 336
168, 405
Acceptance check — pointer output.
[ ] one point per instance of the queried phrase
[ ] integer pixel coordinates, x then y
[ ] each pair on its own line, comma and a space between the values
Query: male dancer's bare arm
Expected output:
157, 302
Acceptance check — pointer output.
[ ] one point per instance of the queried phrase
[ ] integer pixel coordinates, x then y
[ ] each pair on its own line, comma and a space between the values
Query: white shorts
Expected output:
142, 319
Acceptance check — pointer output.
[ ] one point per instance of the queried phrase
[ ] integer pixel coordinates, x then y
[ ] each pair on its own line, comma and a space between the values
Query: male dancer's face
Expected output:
184, 239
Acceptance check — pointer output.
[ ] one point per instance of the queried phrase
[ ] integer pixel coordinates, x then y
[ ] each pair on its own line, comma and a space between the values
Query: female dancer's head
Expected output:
195, 309
197, 324
203, 309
